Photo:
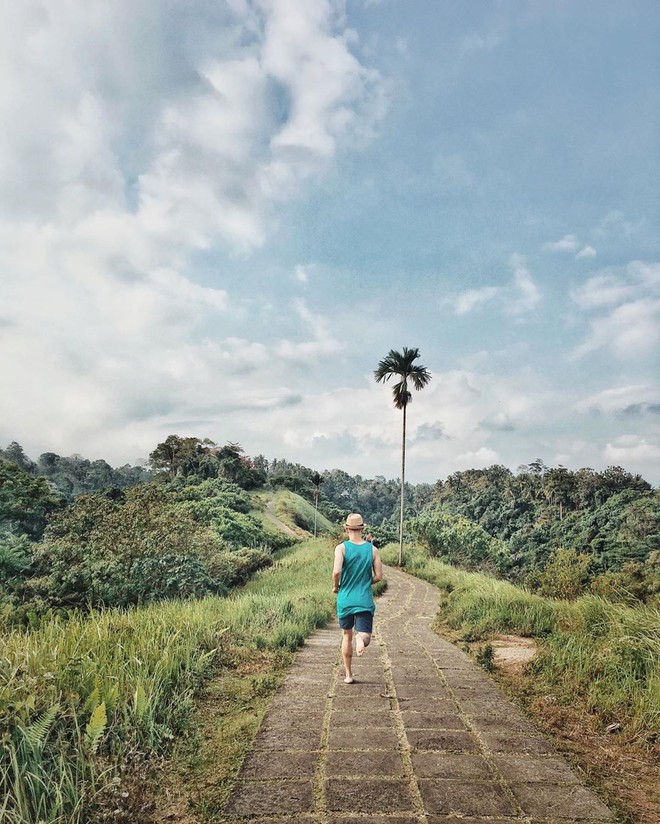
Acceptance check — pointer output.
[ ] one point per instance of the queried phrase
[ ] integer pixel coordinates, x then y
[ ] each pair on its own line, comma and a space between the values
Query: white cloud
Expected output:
466, 301
624, 311
140, 134
301, 273
616, 223
586, 252
621, 399
526, 294
517, 298
569, 243
602, 290
632, 450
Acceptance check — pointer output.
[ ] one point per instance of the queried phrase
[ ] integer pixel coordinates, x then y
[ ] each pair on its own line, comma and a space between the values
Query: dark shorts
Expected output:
360, 621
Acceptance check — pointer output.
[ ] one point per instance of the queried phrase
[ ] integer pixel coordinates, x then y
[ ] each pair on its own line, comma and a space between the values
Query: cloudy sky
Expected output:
216, 216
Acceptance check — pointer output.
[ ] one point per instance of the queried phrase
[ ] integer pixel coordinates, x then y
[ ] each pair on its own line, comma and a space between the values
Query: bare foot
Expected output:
349, 679
359, 645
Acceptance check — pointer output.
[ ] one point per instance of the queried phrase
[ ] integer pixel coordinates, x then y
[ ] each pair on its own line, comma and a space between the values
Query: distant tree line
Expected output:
74, 475
553, 529
543, 525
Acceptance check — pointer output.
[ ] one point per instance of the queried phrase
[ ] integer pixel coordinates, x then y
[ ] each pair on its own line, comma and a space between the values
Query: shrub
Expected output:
566, 575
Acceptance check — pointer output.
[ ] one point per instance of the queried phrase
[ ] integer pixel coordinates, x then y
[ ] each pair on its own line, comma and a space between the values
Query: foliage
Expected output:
402, 365
634, 582
186, 457
613, 517
78, 697
25, 502
457, 540
485, 657
74, 475
566, 575
103, 551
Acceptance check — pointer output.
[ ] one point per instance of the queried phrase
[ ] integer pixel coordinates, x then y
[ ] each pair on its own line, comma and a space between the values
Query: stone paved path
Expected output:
423, 736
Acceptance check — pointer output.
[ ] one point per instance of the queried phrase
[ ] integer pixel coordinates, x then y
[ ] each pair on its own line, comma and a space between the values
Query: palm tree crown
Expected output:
401, 364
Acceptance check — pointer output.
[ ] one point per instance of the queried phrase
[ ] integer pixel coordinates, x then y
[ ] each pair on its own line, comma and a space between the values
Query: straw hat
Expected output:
354, 522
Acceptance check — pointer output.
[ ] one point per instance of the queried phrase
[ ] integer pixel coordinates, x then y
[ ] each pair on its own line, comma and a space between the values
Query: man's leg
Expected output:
362, 641
347, 654
363, 629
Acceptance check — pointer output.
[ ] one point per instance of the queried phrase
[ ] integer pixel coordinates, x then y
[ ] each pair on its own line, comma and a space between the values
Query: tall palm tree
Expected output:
401, 365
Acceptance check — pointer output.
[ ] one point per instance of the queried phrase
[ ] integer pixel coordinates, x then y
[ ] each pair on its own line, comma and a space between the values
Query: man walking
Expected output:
357, 567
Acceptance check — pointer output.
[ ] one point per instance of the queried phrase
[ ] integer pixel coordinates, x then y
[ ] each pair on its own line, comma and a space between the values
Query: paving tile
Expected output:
450, 765
465, 797
414, 673
305, 689
489, 706
422, 689
287, 739
279, 765
373, 819
499, 742
431, 721
353, 700
439, 706
500, 724
353, 764
299, 703
551, 800
518, 768
379, 796
424, 681
364, 684
367, 739
451, 740
281, 718
362, 717
442, 819
255, 798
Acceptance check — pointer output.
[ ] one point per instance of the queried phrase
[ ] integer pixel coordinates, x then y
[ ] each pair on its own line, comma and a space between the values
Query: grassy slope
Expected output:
81, 698
294, 511
599, 663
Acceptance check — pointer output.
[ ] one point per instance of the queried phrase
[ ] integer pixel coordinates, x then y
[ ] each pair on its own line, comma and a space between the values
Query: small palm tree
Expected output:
316, 481
401, 365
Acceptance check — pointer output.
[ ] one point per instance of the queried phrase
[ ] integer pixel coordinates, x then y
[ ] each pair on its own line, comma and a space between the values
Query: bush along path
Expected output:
422, 736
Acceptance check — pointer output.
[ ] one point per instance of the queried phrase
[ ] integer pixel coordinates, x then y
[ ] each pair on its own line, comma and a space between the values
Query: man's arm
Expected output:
339, 563
378, 567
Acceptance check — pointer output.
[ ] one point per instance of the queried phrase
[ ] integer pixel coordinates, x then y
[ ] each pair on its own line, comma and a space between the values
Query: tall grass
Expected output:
605, 653
80, 697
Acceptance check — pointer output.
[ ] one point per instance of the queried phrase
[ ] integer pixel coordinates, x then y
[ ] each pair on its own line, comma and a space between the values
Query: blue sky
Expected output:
216, 217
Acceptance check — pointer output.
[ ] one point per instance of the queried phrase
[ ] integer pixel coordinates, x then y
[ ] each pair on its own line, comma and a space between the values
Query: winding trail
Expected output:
269, 514
422, 736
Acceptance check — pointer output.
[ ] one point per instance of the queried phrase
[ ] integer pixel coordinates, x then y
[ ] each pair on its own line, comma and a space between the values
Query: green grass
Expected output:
605, 654
297, 512
81, 697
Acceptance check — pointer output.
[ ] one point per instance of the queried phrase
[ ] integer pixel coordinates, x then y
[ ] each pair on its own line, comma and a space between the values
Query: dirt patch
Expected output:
512, 652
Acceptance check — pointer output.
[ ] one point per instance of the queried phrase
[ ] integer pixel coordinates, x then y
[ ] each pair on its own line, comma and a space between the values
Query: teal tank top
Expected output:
355, 593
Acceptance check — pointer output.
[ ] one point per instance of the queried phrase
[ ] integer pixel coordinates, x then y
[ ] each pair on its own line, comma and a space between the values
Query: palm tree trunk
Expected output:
403, 482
